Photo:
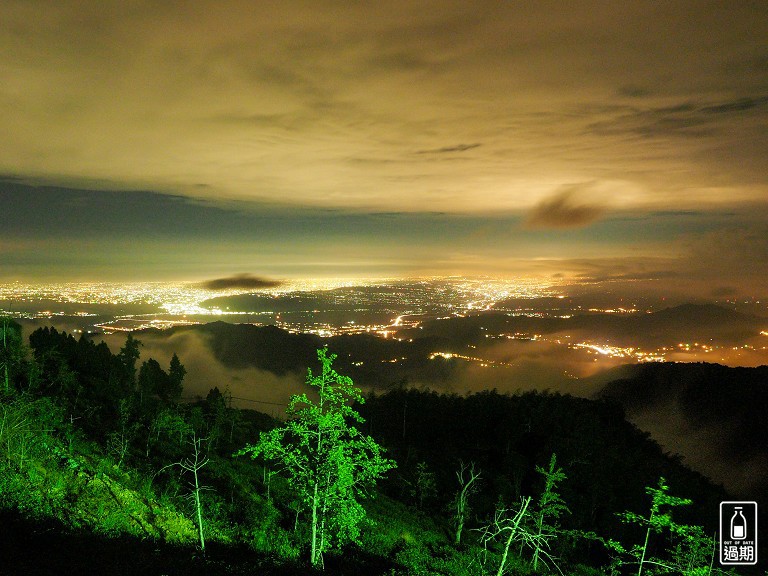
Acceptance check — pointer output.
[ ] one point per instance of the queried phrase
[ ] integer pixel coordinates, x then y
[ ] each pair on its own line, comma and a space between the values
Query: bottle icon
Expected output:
738, 525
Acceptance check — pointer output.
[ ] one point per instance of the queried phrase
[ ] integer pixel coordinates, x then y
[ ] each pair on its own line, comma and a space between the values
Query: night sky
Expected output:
596, 141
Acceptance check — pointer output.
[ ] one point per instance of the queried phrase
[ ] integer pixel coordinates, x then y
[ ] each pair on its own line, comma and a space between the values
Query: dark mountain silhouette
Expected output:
366, 358
724, 406
700, 322
704, 323
606, 456
264, 347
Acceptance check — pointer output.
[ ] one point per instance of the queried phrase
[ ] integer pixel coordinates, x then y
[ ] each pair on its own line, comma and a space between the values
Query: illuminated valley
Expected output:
390, 309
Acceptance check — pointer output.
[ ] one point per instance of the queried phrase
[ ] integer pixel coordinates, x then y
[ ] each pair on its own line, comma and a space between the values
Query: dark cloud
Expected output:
566, 209
449, 149
740, 105
634, 91
682, 119
240, 281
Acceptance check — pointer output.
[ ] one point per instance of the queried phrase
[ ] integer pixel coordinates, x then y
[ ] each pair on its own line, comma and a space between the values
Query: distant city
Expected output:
136, 306
389, 308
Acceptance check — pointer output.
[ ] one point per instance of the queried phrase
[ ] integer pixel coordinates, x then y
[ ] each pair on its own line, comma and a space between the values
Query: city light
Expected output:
388, 308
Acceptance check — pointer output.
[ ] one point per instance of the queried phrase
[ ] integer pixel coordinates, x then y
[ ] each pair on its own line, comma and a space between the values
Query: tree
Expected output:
508, 525
127, 358
194, 465
149, 380
154, 381
694, 552
525, 525
424, 485
216, 416
550, 507
119, 440
691, 538
170, 422
176, 373
327, 460
11, 351
467, 478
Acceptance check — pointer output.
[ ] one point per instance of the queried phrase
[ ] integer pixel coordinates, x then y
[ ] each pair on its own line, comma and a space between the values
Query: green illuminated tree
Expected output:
193, 465
549, 508
468, 478
509, 525
532, 527
659, 520
119, 440
327, 460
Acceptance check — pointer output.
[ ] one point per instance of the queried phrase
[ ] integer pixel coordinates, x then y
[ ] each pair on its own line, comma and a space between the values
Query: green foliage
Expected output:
126, 360
398, 526
549, 508
119, 440
153, 381
416, 542
329, 462
259, 528
508, 527
468, 484
531, 526
551, 505
168, 429
25, 429
84, 434
11, 353
53, 481
690, 552
424, 485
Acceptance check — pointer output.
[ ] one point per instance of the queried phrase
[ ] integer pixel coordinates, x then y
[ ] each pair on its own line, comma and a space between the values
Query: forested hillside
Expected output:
103, 469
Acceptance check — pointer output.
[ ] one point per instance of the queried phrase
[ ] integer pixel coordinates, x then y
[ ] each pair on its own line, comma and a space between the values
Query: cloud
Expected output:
729, 257
709, 258
226, 101
251, 388
735, 106
240, 281
450, 149
686, 118
487, 108
566, 209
